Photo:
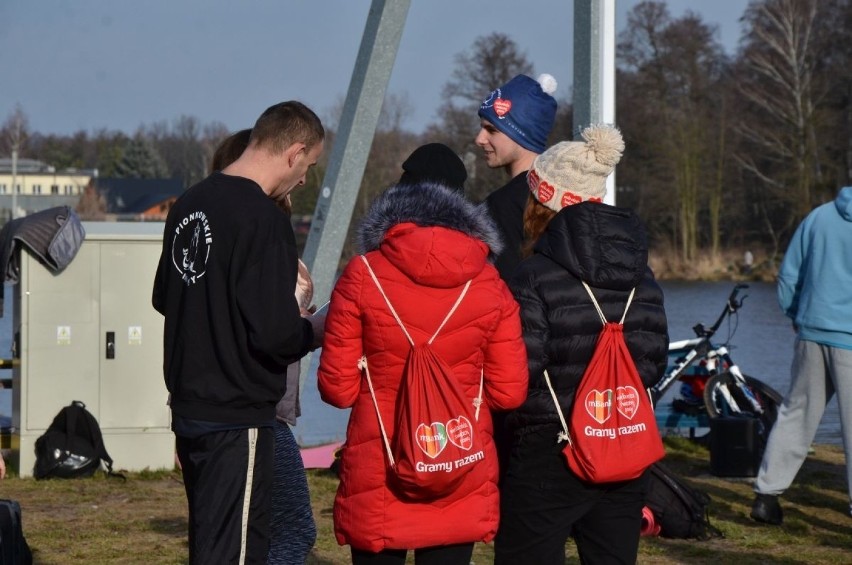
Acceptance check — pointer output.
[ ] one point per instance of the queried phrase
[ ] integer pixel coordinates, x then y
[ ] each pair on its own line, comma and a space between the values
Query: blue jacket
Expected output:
815, 280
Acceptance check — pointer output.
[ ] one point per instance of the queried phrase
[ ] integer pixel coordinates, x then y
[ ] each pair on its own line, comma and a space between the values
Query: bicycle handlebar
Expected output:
731, 306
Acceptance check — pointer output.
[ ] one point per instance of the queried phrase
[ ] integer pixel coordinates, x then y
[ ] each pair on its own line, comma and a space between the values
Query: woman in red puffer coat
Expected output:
424, 242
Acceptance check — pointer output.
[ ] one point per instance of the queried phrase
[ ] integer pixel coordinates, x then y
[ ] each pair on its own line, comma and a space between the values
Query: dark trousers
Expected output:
228, 478
292, 527
542, 504
440, 555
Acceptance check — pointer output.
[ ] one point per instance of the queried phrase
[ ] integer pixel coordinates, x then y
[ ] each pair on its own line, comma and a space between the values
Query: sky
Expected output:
118, 64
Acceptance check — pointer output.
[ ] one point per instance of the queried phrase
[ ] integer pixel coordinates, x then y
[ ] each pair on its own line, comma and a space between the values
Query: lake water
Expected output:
761, 345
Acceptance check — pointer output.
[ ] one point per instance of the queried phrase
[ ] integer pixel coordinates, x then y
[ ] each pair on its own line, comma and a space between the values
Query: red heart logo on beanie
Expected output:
502, 107
545, 192
569, 199
532, 180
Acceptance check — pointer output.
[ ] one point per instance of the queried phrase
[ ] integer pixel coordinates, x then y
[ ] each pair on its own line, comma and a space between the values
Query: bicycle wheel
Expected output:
735, 402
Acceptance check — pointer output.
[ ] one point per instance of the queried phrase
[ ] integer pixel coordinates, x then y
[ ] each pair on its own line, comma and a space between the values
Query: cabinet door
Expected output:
59, 337
133, 394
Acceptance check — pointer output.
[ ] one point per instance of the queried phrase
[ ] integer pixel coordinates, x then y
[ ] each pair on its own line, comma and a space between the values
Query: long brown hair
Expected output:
230, 149
536, 218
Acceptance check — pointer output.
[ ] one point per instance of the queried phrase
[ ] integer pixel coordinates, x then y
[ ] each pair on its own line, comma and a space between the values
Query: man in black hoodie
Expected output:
231, 329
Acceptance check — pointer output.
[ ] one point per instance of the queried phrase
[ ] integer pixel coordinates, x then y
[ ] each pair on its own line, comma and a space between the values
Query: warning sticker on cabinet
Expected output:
63, 335
134, 335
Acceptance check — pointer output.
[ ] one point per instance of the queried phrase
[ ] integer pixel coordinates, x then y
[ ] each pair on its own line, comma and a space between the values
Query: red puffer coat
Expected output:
422, 264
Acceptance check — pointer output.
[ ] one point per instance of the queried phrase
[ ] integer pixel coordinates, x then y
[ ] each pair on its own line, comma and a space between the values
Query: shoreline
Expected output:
727, 265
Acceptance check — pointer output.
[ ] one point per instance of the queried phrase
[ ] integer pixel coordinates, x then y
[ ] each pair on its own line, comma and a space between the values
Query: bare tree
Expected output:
491, 61
16, 131
182, 146
777, 79
92, 205
669, 109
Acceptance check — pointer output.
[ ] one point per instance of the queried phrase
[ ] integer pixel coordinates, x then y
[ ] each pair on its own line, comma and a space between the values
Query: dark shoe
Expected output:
767, 510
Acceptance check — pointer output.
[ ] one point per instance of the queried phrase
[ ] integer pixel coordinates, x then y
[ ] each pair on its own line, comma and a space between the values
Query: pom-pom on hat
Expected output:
571, 172
524, 109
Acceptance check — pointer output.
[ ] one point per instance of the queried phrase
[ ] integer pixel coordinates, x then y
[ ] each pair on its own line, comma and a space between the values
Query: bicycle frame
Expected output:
701, 348
728, 365
726, 390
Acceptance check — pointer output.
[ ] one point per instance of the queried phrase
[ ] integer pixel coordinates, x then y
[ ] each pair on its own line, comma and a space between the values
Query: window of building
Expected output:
54, 189
17, 189
36, 189
69, 189
2, 189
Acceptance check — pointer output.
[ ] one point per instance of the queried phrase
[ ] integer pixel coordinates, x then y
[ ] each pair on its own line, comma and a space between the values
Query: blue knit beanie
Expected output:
524, 109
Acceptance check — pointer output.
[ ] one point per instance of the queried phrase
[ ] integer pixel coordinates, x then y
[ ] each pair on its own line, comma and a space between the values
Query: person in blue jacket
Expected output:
815, 291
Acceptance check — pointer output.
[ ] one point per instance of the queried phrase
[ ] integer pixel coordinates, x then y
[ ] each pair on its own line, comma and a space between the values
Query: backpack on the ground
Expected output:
679, 509
13, 547
436, 442
612, 435
72, 446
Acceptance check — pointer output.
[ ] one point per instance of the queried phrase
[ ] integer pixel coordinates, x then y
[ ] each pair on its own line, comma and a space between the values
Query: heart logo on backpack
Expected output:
599, 405
432, 439
627, 401
460, 432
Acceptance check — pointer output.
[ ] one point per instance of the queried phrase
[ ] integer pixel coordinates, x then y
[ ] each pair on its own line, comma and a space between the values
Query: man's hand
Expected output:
318, 324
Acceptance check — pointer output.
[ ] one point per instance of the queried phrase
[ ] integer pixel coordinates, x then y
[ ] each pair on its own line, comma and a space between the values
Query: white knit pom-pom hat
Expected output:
571, 172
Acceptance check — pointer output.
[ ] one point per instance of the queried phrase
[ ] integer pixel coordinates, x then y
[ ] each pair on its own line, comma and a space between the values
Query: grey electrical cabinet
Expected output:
89, 333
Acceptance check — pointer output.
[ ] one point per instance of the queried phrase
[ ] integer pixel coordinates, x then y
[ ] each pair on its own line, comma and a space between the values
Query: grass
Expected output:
143, 520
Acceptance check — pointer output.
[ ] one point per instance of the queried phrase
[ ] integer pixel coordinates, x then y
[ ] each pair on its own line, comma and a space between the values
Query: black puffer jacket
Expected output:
606, 247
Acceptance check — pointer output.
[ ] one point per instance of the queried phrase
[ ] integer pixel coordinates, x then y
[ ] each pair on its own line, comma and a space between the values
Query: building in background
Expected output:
143, 200
37, 186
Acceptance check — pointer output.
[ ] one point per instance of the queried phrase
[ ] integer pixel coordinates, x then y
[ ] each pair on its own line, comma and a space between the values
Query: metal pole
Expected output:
594, 69
14, 213
333, 212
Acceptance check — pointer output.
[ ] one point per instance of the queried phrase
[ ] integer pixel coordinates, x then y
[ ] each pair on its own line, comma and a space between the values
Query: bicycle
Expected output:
727, 391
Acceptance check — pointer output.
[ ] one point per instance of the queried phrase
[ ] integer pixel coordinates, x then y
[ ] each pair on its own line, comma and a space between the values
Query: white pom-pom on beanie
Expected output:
548, 83
571, 172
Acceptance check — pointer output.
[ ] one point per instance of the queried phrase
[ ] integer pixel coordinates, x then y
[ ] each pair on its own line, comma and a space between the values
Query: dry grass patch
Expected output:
143, 520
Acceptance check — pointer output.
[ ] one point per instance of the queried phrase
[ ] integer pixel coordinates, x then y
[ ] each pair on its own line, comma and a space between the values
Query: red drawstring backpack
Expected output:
613, 433
436, 441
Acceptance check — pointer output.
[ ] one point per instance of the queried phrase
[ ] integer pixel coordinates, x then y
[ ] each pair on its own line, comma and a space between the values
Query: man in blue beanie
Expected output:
515, 121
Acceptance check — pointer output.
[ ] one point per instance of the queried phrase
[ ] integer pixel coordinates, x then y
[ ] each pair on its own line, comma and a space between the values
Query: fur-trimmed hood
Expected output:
426, 204
431, 233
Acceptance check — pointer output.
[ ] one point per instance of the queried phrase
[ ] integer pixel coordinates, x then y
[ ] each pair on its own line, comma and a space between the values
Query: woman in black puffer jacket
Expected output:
576, 238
